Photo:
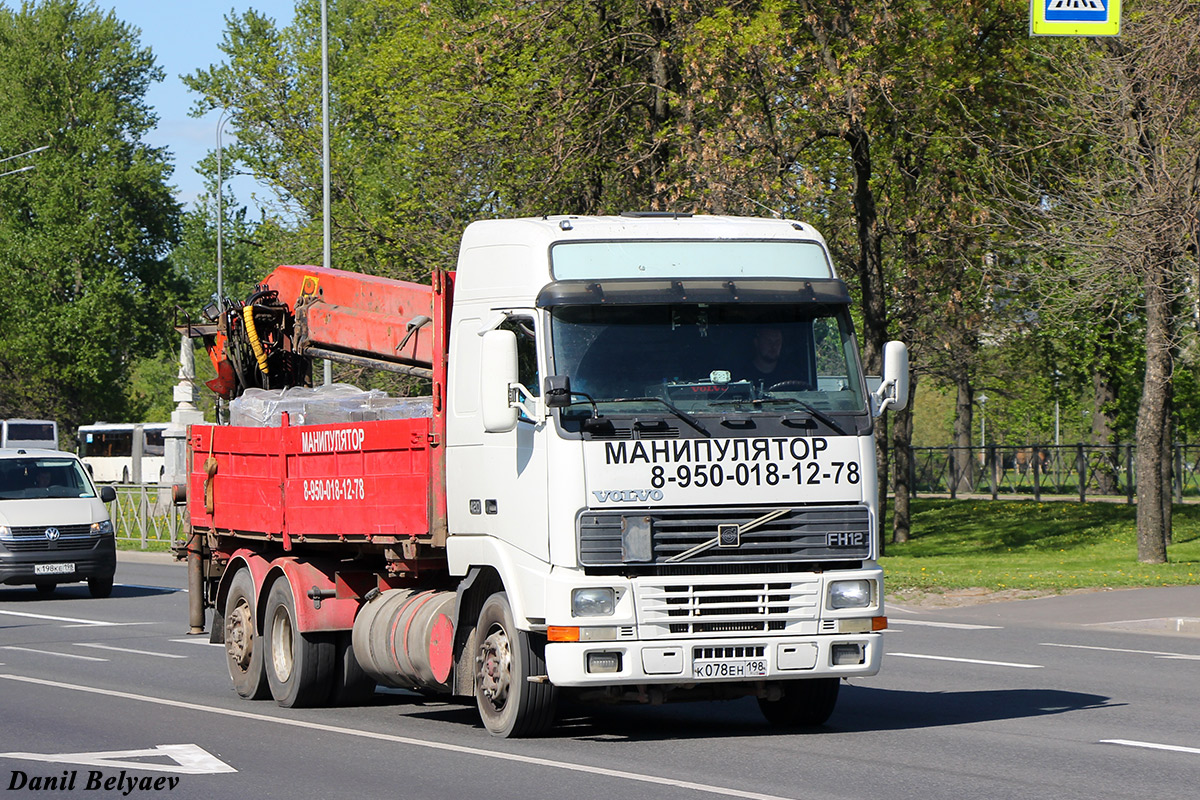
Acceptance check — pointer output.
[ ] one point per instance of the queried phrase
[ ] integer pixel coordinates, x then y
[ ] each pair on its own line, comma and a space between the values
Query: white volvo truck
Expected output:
647, 473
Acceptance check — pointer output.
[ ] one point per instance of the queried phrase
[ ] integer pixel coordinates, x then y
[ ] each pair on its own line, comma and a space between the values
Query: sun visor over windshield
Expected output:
658, 292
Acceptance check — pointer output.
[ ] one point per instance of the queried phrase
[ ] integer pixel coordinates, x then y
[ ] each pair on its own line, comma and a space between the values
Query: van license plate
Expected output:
53, 569
730, 668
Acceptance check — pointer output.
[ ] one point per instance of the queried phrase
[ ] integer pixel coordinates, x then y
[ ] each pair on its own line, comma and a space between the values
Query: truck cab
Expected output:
659, 427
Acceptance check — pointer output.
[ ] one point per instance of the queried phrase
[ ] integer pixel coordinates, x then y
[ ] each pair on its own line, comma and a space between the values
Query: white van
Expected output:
54, 526
29, 433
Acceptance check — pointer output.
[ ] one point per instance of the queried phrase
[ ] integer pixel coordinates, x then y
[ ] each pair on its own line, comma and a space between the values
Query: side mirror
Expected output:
556, 390
497, 372
893, 392
107, 494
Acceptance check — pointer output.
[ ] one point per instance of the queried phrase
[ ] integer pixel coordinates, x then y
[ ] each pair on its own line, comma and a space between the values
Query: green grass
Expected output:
1058, 546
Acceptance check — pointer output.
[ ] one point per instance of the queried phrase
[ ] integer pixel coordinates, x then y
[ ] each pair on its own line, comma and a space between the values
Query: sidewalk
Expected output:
1173, 610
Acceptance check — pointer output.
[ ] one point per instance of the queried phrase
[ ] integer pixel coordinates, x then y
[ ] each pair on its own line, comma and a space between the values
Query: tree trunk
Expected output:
963, 417
874, 303
1104, 393
902, 447
1151, 420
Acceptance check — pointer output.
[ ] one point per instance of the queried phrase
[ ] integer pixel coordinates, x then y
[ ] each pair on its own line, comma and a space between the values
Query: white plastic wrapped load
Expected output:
323, 405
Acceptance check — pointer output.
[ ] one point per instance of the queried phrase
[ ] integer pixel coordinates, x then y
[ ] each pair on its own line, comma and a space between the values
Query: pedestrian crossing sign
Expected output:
1075, 18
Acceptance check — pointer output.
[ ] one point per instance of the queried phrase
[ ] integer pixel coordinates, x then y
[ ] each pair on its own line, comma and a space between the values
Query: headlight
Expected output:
593, 602
849, 594
104, 528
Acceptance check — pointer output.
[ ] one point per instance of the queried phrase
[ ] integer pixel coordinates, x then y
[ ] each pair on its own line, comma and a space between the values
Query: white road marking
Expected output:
28, 615
967, 661
959, 626
198, 640
1153, 746
1156, 653
407, 741
189, 759
126, 650
52, 653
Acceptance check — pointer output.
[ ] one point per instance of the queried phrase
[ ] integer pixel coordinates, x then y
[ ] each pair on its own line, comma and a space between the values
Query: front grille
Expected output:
700, 608
28, 539
667, 537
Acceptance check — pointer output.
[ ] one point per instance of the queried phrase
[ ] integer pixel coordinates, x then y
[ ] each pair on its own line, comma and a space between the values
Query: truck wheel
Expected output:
299, 665
806, 703
509, 704
351, 686
243, 646
100, 586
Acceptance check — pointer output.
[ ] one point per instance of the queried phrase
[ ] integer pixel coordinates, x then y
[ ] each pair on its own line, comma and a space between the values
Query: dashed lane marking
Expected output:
75, 622
1153, 746
958, 626
127, 650
52, 653
967, 661
1155, 653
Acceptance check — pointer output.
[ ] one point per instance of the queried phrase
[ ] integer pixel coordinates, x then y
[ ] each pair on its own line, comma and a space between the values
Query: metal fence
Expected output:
1078, 472
144, 514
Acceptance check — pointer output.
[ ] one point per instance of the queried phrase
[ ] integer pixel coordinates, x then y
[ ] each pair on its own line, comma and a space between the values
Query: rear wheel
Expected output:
299, 665
805, 703
243, 646
100, 586
510, 705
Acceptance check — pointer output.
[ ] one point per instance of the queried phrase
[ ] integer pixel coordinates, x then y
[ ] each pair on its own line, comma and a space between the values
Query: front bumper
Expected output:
678, 662
19, 568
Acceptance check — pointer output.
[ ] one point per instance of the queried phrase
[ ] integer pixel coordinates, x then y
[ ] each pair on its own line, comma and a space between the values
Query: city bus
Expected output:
107, 449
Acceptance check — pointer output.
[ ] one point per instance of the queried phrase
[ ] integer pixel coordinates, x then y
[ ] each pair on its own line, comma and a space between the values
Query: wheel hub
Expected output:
238, 639
495, 668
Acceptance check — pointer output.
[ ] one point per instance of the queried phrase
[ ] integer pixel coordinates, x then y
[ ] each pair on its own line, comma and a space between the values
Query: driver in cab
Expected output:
767, 368
764, 368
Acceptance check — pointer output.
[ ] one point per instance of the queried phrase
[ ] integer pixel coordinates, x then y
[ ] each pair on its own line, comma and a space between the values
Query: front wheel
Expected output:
299, 665
511, 705
805, 703
100, 586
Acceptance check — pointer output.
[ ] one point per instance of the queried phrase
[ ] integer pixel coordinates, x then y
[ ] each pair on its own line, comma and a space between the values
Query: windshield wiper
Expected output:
683, 415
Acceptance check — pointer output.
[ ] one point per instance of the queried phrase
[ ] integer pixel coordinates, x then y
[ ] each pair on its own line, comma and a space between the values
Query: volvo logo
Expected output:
627, 495
52, 534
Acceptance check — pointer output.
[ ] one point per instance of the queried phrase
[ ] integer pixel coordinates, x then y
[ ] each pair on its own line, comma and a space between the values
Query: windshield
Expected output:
708, 358
31, 478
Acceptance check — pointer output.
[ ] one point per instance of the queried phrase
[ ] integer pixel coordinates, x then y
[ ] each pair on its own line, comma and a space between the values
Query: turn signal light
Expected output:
562, 633
879, 623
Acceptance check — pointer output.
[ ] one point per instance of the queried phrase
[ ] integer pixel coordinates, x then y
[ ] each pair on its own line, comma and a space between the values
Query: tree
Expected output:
1123, 214
83, 236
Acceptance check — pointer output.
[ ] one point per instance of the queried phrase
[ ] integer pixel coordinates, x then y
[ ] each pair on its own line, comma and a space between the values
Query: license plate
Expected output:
53, 569
730, 668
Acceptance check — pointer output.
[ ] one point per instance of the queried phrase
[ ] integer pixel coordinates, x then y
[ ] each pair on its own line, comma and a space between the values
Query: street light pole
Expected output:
225, 117
326, 259
982, 422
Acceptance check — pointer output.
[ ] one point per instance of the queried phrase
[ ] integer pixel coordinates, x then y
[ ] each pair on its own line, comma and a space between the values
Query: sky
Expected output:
183, 35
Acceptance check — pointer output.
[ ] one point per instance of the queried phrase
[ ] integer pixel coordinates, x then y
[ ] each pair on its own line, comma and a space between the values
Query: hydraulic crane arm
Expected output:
299, 312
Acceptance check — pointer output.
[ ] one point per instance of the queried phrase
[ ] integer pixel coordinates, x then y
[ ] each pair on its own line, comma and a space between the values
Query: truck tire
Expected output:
806, 703
510, 705
243, 646
299, 665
